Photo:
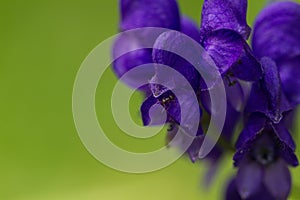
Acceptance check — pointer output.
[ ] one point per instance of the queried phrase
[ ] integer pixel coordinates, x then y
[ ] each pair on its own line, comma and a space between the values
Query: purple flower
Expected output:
149, 13
264, 151
267, 96
222, 14
276, 36
140, 14
223, 33
161, 94
233, 194
256, 125
164, 14
265, 147
261, 84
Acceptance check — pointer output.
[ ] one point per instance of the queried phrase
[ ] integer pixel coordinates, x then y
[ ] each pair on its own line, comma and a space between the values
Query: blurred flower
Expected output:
276, 36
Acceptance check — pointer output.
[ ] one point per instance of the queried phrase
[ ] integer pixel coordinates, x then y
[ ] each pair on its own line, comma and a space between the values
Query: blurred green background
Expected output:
42, 45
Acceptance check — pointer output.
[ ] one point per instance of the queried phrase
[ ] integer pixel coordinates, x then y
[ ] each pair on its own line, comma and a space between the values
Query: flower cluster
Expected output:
261, 83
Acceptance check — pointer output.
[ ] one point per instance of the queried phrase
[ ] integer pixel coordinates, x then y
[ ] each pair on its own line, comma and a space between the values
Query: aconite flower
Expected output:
261, 81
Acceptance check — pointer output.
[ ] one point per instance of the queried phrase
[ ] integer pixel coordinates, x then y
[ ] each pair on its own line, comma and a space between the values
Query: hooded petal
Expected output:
131, 59
187, 57
149, 13
287, 145
277, 179
267, 96
289, 71
184, 47
232, 54
254, 125
284, 135
190, 28
276, 33
225, 47
247, 68
288, 155
249, 179
224, 14
272, 86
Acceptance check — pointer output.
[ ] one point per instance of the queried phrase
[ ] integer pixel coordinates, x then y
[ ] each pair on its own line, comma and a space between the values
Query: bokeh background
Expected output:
42, 44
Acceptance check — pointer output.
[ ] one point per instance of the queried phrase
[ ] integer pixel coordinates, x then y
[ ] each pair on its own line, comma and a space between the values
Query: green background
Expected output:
42, 46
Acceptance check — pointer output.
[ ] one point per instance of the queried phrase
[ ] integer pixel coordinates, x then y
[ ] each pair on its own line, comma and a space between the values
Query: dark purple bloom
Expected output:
149, 13
265, 147
257, 124
146, 13
261, 85
176, 42
171, 105
264, 151
223, 33
233, 194
223, 14
276, 35
190, 28
225, 47
160, 95
131, 59
164, 96
267, 96
139, 14
164, 14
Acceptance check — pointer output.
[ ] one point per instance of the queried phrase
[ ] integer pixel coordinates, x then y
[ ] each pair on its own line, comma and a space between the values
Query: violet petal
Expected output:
254, 125
231, 191
132, 59
267, 96
225, 47
177, 42
249, 179
224, 14
276, 33
190, 28
149, 13
289, 71
277, 179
